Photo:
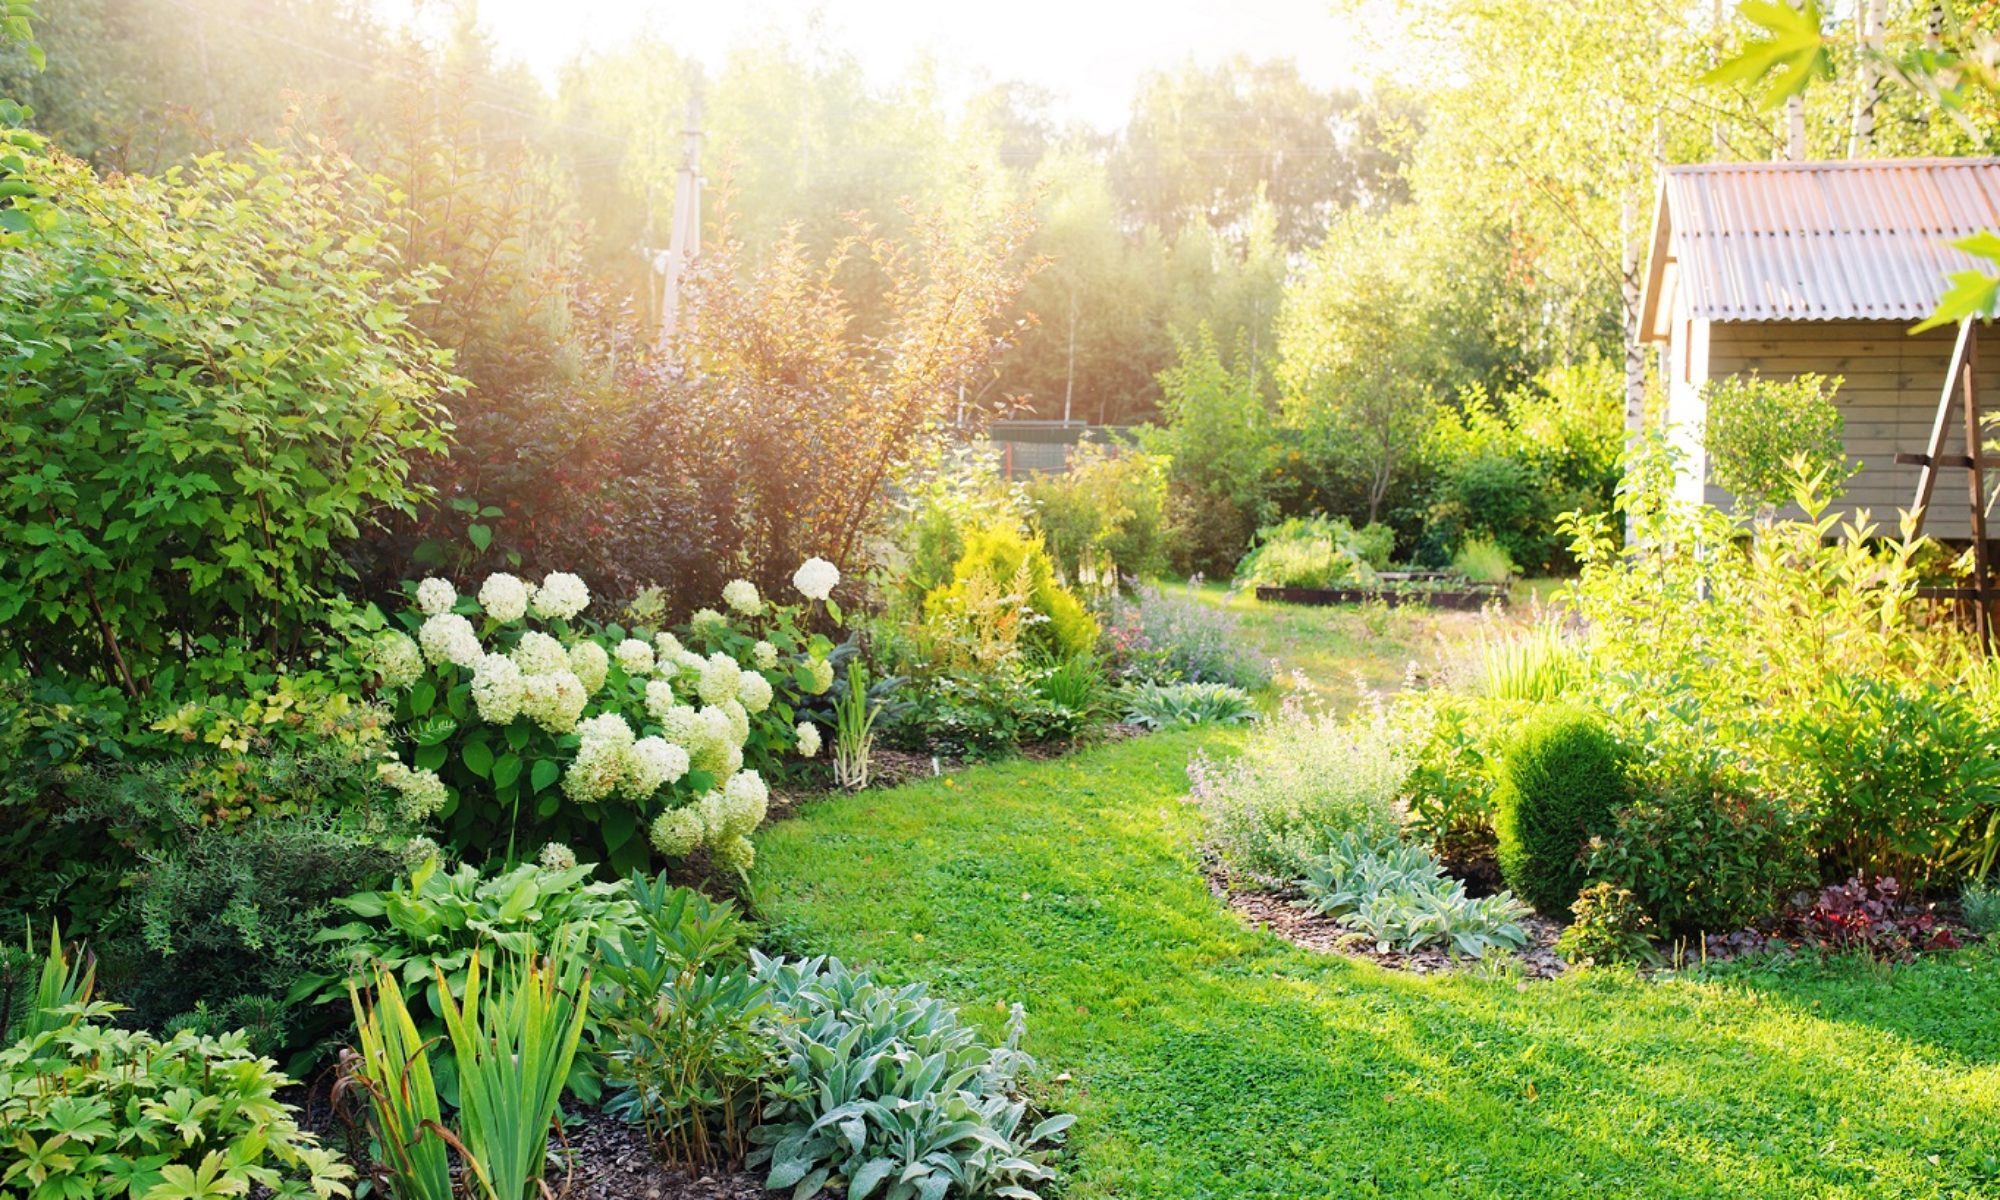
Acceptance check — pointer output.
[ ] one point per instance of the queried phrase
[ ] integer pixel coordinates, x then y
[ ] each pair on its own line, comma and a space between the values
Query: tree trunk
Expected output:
1869, 20
1635, 346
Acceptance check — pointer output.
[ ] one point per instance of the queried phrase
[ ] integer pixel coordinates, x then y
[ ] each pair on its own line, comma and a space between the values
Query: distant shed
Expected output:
1785, 268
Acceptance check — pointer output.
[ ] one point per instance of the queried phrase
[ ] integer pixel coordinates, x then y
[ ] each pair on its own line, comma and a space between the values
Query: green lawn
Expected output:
1206, 1059
1210, 1060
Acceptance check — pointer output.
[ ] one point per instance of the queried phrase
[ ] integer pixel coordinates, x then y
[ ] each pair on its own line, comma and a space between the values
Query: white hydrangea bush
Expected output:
528, 724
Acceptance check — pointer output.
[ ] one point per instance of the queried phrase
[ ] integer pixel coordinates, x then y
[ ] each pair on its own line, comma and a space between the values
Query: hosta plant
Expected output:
534, 725
91, 1110
883, 1092
1397, 895
1158, 706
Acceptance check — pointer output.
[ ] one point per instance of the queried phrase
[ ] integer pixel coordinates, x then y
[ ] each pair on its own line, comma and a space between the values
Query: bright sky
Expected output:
1088, 52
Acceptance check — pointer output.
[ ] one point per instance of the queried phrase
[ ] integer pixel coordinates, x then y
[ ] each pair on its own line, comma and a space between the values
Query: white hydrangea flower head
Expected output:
396, 658
739, 721
720, 677
808, 739
667, 651
737, 853
741, 595
561, 596
539, 654
749, 800
681, 725
709, 742
449, 638
660, 699
497, 689
436, 596
556, 857
600, 765
816, 578
714, 815
590, 664
553, 700
822, 675
688, 663
732, 760
503, 597
677, 832
754, 692
634, 656
420, 793
653, 763
765, 655
707, 618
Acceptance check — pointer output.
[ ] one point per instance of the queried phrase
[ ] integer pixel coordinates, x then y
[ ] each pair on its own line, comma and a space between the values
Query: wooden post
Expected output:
1940, 425
1976, 476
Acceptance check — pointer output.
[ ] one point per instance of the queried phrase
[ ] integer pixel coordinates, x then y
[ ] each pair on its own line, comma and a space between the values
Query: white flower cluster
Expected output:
808, 739
556, 857
610, 760
561, 596
420, 793
816, 578
396, 659
447, 637
741, 595
634, 657
723, 820
504, 598
436, 596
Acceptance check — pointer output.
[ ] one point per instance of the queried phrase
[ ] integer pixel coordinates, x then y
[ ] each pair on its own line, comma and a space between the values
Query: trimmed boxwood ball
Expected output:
1561, 784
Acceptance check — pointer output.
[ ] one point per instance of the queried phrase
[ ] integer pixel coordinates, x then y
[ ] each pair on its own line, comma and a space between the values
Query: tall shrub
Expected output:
208, 381
1014, 561
1562, 783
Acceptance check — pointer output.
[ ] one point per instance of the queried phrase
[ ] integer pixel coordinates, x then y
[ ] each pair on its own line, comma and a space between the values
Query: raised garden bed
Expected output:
1461, 596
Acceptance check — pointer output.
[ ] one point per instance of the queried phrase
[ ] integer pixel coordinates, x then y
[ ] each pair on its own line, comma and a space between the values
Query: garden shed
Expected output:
1785, 268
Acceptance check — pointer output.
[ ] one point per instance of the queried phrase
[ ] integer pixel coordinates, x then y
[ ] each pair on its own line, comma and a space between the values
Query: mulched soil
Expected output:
1276, 913
607, 1159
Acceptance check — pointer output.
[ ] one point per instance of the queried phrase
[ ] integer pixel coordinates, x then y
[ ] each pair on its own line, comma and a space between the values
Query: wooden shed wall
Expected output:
1888, 399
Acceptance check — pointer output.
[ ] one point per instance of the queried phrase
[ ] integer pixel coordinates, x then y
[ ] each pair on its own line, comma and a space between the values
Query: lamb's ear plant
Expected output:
514, 1039
853, 729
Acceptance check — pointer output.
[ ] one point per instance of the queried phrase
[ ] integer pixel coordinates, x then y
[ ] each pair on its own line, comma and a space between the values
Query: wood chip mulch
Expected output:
607, 1159
1302, 927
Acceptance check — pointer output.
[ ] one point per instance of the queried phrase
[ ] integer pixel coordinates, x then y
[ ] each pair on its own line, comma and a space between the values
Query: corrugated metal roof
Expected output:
1820, 241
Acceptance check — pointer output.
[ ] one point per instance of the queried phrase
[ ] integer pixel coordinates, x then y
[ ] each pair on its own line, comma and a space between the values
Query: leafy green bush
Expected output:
1305, 779
1896, 771
1075, 694
1483, 561
1448, 793
685, 1027
1761, 433
1609, 926
887, 1089
1561, 784
92, 1110
1157, 706
1157, 636
210, 381
1221, 452
1507, 470
1703, 849
1316, 552
232, 919
1399, 896
1107, 505
1017, 565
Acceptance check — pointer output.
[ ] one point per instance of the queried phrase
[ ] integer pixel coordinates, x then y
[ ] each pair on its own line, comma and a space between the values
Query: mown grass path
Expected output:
1210, 1060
